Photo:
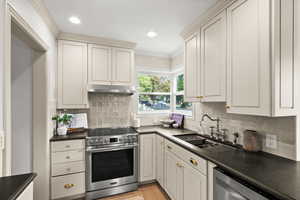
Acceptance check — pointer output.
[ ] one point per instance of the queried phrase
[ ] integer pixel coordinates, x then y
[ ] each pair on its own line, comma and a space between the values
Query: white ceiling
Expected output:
130, 20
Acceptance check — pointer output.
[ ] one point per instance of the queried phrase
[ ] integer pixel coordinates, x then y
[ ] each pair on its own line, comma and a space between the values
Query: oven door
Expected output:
110, 167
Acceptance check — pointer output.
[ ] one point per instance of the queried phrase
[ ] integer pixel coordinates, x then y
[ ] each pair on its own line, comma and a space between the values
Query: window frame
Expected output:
173, 93
169, 75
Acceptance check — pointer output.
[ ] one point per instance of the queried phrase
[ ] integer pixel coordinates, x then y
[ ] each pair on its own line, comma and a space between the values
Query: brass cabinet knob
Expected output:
69, 185
227, 107
169, 147
194, 162
67, 146
68, 157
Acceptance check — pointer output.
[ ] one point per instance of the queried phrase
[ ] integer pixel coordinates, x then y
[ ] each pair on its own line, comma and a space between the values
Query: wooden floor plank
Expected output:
148, 192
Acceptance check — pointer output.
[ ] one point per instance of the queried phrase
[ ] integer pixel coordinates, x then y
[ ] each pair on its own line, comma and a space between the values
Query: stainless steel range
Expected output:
111, 161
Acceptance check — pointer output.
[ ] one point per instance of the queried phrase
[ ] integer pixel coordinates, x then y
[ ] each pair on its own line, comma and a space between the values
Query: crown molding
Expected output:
96, 40
218, 7
42, 10
152, 54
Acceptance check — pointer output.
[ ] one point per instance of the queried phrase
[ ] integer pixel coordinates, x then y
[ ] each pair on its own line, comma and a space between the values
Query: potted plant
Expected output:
62, 123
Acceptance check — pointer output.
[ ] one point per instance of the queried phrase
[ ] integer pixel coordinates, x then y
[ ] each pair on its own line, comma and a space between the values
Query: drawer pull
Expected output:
68, 186
169, 147
194, 162
67, 157
67, 146
68, 169
179, 165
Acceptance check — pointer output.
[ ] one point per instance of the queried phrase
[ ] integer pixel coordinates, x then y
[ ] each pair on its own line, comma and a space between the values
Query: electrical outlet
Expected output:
271, 141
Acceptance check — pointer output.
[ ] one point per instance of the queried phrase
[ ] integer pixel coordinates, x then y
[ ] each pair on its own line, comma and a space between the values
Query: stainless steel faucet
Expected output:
217, 120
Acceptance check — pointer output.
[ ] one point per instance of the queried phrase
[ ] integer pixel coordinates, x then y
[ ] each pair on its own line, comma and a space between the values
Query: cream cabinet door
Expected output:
213, 59
192, 68
173, 176
72, 75
160, 159
147, 157
123, 66
194, 184
285, 57
99, 64
249, 69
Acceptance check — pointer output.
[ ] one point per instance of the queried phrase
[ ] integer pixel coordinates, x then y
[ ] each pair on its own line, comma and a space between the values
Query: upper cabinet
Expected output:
192, 68
72, 75
123, 66
213, 60
81, 64
249, 71
108, 65
247, 58
100, 66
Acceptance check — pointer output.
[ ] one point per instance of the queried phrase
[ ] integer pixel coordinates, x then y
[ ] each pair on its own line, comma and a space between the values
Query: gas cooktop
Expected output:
197, 140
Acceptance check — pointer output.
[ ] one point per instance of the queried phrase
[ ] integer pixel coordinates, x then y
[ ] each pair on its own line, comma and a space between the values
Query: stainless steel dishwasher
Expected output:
228, 187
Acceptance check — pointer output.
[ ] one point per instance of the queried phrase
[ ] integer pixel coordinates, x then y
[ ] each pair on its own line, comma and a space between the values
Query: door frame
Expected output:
38, 44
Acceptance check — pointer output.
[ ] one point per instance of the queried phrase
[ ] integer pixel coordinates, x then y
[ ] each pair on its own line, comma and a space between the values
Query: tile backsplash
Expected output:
283, 127
107, 110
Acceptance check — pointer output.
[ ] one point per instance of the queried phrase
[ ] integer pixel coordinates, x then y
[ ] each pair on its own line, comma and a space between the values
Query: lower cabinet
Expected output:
147, 157
160, 158
27, 194
183, 182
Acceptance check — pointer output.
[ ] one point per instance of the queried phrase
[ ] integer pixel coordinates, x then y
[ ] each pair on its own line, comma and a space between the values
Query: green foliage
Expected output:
152, 83
180, 83
65, 119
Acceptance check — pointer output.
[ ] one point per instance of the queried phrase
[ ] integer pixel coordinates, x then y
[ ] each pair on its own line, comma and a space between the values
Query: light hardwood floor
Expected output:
148, 192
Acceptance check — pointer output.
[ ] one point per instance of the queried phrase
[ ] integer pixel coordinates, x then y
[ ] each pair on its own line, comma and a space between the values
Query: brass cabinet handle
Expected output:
200, 97
194, 162
68, 186
179, 165
67, 146
67, 157
227, 107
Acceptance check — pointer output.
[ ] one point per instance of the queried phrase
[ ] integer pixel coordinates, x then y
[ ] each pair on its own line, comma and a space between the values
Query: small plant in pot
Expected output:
62, 123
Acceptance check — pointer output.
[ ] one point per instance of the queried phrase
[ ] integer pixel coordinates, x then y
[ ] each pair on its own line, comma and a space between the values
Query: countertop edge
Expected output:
225, 167
21, 188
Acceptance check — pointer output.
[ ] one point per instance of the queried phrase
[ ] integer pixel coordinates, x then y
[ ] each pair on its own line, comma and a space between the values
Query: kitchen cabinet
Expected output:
160, 159
185, 174
147, 157
99, 64
213, 59
123, 66
210, 180
192, 68
72, 75
173, 176
261, 71
67, 169
110, 66
27, 194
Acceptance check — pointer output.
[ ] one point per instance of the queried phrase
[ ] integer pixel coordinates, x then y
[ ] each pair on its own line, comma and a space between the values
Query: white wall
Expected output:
153, 63
1, 60
42, 164
21, 80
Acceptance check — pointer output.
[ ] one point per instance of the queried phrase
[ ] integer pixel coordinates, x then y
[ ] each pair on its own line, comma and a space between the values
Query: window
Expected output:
180, 105
154, 93
162, 94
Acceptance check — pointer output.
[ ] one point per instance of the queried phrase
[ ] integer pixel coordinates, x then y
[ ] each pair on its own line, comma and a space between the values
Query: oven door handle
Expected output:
93, 150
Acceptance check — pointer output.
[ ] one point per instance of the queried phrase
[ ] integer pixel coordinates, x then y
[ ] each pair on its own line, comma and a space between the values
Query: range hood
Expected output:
112, 89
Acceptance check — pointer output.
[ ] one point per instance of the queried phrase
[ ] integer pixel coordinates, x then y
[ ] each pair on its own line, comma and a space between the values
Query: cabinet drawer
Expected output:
67, 168
188, 157
69, 185
67, 145
68, 156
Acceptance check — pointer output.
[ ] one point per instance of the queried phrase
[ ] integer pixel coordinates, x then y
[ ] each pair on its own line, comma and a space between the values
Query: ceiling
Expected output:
130, 20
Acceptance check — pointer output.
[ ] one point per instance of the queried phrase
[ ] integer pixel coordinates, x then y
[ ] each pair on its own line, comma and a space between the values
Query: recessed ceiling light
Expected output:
152, 34
74, 20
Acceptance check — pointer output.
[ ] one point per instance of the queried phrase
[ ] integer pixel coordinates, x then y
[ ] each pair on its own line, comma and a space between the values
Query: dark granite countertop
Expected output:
277, 176
12, 186
70, 136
